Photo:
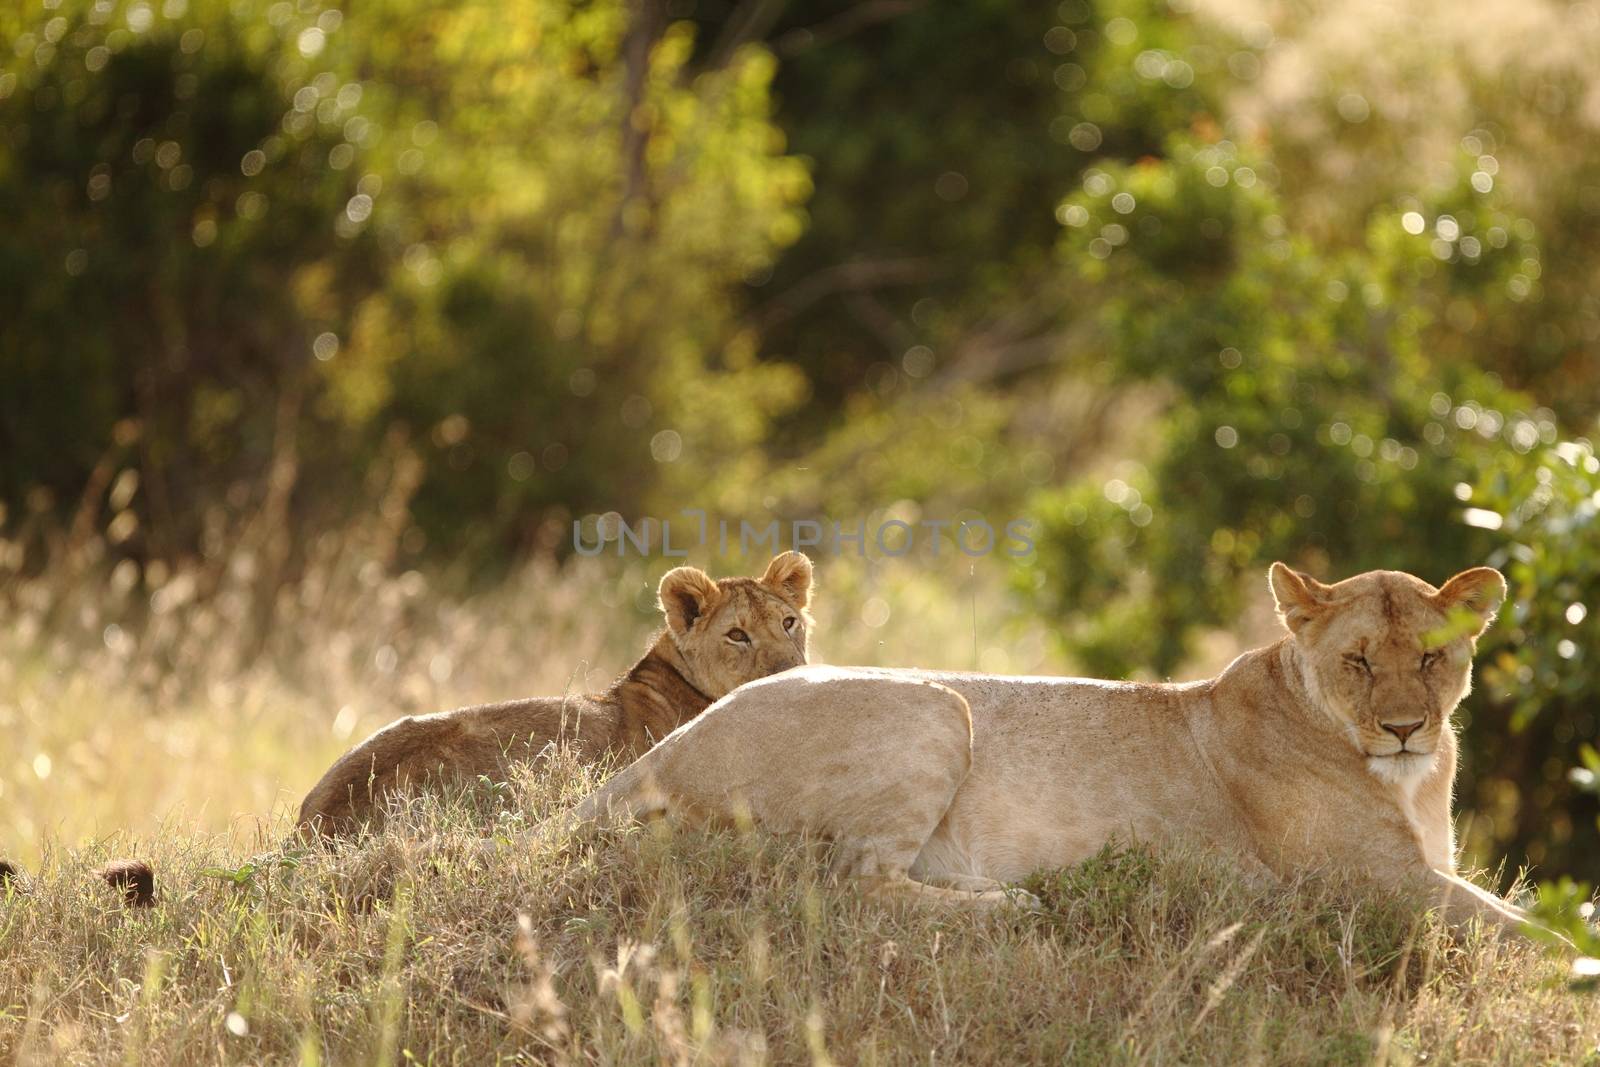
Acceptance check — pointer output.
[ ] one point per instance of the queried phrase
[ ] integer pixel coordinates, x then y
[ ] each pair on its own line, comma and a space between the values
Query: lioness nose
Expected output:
1402, 730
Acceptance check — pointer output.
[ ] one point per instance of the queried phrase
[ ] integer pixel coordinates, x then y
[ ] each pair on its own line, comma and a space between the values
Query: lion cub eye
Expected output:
788, 624
738, 636
1357, 660
1430, 658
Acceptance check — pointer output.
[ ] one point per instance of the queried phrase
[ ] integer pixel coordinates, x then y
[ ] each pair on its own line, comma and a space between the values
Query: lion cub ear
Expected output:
684, 595
790, 575
1299, 596
1480, 590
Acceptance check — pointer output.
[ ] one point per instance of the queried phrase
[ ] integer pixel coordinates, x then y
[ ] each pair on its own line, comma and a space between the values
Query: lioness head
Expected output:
735, 630
1387, 655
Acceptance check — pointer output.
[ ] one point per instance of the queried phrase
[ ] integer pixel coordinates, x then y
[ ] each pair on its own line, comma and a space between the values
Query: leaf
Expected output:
238, 875
1462, 622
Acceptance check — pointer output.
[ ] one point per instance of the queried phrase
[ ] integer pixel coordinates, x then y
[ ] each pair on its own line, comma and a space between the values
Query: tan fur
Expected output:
949, 785
692, 662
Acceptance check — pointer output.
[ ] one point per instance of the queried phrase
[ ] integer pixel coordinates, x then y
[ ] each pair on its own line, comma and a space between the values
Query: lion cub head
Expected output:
1387, 655
735, 630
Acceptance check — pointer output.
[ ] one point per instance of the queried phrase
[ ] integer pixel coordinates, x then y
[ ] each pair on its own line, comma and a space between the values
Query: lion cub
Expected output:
719, 634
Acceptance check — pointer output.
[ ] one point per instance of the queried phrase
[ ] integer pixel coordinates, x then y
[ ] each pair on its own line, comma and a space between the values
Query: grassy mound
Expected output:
667, 944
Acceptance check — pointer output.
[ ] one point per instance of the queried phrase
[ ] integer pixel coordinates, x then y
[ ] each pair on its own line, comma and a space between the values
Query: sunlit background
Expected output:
320, 327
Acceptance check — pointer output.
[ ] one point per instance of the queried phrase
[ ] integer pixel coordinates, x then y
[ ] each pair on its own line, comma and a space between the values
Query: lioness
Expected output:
1331, 747
718, 635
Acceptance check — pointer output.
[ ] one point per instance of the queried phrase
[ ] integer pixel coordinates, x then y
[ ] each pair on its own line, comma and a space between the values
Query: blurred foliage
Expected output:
1566, 907
560, 313
937, 165
1194, 285
1535, 716
1398, 98
256, 207
169, 249
1316, 412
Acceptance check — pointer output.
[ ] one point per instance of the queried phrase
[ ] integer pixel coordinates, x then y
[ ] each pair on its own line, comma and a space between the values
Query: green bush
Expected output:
242, 233
172, 247
1534, 715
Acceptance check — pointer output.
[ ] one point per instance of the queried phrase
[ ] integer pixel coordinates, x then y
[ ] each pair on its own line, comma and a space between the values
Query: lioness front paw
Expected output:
1020, 898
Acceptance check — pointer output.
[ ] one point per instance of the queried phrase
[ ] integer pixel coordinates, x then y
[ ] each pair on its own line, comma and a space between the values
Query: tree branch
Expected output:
849, 277
750, 21
644, 29
857, 18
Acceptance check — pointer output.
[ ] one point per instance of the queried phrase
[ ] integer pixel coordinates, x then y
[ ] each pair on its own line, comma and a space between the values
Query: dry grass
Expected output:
667, 945
211, 696
152, 714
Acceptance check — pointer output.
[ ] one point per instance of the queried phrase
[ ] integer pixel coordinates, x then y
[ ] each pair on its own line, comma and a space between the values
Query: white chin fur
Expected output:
1402, 768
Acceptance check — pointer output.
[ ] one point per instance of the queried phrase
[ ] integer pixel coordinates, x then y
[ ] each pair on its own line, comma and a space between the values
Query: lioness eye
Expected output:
1356, 659
788, 624
1430, 658
738, 636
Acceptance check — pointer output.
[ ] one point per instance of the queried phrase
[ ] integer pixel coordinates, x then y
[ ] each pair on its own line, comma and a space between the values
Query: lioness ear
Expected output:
685, 594
1480, 590
790, 574
1299, 596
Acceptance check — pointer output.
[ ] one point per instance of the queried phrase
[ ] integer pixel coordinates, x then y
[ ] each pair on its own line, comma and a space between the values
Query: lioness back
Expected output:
1117, 756
719, 634
1058, 767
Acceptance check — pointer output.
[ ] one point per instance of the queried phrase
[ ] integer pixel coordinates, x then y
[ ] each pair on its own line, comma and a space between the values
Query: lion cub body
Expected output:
1329, 748
489, 740
690, 663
